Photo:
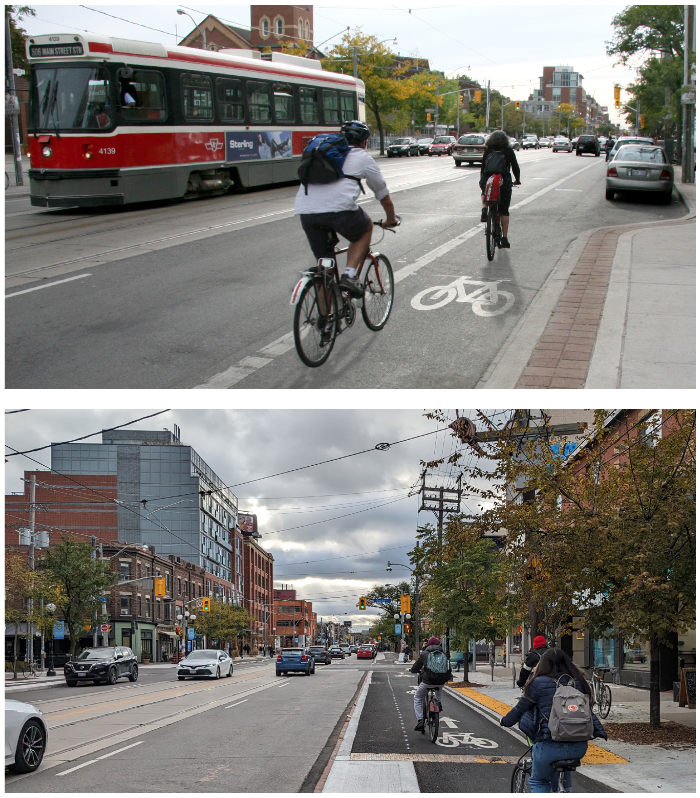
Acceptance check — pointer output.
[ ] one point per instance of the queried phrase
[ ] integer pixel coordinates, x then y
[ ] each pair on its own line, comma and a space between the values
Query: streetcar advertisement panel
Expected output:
258, 146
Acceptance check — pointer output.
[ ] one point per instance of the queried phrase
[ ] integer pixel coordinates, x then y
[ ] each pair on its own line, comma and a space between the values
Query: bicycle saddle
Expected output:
565, 764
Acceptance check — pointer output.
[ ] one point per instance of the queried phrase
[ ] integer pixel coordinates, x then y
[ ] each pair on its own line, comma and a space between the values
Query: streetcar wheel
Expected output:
379, 293
312, 338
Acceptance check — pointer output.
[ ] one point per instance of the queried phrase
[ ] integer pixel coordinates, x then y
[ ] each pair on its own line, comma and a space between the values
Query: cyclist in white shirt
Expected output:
333, 205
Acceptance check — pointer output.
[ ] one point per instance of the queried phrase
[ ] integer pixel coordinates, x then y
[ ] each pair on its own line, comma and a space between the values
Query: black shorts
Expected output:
321, 229
504, 197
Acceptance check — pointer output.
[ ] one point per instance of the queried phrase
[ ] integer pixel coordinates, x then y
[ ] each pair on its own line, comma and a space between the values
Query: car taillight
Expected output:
666, 175
303, 657
279, 658
612, 172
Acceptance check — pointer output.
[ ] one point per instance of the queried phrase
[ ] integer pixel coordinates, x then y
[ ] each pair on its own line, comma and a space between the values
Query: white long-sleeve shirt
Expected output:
342, 194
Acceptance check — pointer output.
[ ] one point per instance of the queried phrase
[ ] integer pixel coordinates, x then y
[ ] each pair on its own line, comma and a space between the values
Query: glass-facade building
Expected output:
168, 497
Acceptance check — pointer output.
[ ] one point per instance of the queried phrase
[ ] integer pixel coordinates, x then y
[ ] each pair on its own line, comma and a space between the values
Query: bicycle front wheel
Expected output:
519, 780
490, 234
315, 331
605, 700
379, 293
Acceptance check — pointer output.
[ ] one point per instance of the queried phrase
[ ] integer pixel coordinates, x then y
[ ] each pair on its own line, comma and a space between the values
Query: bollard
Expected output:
513, 664
492, 662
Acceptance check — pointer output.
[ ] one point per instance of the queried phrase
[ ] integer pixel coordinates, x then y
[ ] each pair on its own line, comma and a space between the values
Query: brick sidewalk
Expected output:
563, 353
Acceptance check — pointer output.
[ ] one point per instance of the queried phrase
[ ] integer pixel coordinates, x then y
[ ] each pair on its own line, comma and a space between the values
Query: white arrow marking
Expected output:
450, 722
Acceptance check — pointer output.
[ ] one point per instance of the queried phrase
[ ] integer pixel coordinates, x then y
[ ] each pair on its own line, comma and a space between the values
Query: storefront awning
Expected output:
161, 633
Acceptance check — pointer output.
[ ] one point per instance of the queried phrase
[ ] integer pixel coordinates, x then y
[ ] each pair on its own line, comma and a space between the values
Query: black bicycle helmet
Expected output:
355, 132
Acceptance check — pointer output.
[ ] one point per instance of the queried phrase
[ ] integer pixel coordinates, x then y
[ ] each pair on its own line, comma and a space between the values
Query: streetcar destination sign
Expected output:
53, 50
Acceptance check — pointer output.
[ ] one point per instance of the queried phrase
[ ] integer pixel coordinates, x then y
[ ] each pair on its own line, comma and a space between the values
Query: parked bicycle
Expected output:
520, 780
324, 311
602, 695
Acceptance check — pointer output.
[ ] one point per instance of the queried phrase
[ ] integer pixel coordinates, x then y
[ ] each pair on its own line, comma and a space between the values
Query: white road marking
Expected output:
569, 189
92, 761
237, 704
451, 723
47, 285
248, 365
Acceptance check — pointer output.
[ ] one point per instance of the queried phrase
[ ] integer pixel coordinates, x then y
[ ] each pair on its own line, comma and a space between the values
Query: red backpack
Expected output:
493, 188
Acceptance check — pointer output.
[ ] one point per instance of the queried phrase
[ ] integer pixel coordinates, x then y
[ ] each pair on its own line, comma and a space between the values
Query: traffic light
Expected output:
429, 117
407, 628
517, 105
641, 120
206, 605
405, 603
159, 586
363, 603
379, 638
178, 631
617, 96
477, 95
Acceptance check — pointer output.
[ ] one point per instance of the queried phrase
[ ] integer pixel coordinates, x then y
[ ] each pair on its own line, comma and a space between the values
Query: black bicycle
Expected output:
494, 233
431, 714
324, 310
520, 780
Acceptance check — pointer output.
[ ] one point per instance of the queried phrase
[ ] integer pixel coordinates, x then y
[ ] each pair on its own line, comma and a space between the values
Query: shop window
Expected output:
637, 656
604, 652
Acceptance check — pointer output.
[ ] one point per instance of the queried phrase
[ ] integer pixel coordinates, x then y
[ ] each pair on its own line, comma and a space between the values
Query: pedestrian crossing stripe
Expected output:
443, 758
595, 755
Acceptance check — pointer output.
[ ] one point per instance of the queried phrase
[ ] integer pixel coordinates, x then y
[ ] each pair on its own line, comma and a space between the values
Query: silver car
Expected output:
640, 167
26, 735
561, 144
210, 662
623, 140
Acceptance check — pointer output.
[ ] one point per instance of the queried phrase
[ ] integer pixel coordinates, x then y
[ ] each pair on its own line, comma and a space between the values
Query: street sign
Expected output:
397, 629
381, 601
104, 627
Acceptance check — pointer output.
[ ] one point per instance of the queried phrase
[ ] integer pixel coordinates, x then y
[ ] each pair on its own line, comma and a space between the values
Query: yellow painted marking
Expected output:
595, 755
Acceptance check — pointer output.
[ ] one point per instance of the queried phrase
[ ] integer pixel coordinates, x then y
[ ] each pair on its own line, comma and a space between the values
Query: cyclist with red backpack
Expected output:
331, 171
499, 159
434, 669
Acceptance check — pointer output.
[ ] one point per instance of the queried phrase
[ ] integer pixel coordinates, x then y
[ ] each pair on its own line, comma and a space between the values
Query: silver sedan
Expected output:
561, 145
639, 167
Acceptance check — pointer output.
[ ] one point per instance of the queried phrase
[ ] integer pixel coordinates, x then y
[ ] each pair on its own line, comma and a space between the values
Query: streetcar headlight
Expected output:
87, 151
46, 151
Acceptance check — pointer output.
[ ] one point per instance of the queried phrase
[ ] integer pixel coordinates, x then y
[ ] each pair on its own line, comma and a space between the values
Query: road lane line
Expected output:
47, 285
248, 365
236, 705
106, 756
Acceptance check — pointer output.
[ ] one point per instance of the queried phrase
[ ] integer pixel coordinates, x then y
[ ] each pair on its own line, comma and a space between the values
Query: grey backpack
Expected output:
571, 719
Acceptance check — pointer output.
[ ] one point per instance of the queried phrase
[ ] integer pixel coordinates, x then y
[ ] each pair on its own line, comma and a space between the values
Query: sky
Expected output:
506, 44
367, 517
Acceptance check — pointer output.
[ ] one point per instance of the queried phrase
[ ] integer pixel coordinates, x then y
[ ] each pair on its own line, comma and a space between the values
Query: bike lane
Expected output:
472, 754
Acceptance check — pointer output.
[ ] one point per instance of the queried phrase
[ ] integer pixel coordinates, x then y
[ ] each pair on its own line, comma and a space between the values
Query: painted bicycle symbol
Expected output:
486, 300
453, 740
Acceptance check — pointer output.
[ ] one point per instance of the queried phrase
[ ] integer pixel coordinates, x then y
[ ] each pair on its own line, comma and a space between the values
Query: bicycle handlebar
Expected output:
380, 223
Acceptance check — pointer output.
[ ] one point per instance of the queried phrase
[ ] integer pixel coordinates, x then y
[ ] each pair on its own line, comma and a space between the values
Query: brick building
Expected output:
294, 621
257, 580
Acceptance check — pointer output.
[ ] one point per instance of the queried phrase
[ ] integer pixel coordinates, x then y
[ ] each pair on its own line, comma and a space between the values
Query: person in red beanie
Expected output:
427, 677
539, 646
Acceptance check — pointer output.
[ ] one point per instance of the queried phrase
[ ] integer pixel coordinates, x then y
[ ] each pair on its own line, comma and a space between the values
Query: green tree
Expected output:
385, 623
81, 580
224, 623
15, 14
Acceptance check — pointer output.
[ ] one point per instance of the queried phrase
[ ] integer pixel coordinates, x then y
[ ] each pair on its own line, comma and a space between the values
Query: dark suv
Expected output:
588, 144
105, 665
319, 654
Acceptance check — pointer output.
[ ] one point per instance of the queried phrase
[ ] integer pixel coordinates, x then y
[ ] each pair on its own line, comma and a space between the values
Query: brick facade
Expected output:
257, 580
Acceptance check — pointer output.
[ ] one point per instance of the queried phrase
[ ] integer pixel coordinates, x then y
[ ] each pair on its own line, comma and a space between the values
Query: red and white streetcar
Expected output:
115, 121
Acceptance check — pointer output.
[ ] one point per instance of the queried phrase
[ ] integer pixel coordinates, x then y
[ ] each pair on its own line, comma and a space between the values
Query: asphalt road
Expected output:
197, 294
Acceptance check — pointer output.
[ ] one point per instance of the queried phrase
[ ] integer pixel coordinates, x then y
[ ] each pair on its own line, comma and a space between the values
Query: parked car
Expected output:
561, 144
530, 142
469, 148
424, 146
400, 147
346, 650
442, 145
365, 652
209, 662
103, 665
336, 652
640, 167
547, 141
294, 660
588, 143
623, 140
319, 654
514, 143
26, 735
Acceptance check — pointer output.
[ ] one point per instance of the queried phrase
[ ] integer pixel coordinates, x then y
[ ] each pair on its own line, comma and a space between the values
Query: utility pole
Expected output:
488, 105
523, 119
440, 501
688, 98
14, 111
354, 62
30, 601
437, 104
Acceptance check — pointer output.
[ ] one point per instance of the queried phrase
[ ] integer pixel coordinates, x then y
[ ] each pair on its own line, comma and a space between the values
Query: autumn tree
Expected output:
81, 580
224, 623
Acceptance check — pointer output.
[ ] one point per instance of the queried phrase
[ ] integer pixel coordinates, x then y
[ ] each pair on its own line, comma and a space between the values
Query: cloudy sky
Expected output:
506, 44
362, 502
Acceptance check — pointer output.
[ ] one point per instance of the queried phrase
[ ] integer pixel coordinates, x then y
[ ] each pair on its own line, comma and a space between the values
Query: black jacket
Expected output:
533, 711
530, 663
511, 162
419, 665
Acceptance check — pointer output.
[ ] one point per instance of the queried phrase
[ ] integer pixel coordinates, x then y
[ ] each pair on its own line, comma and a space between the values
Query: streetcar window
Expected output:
71, 99
197, 97
229, 100
308, 99
150, 96
259, 104
284, 102
331, 114
347, 107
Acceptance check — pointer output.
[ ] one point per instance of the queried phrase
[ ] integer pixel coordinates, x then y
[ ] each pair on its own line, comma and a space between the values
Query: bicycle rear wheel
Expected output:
315, 332
519, 780
490, 234
433, 725
379, 293
605, 701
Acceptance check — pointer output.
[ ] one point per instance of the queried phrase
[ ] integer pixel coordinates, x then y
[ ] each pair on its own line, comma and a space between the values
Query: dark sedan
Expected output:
101, 665
320, 654
400, 147
336, 652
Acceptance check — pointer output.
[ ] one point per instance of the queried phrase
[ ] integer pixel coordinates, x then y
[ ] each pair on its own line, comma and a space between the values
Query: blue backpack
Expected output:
322, 160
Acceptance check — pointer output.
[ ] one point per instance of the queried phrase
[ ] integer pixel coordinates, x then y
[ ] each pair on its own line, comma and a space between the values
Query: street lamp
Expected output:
51, 672
202, 31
